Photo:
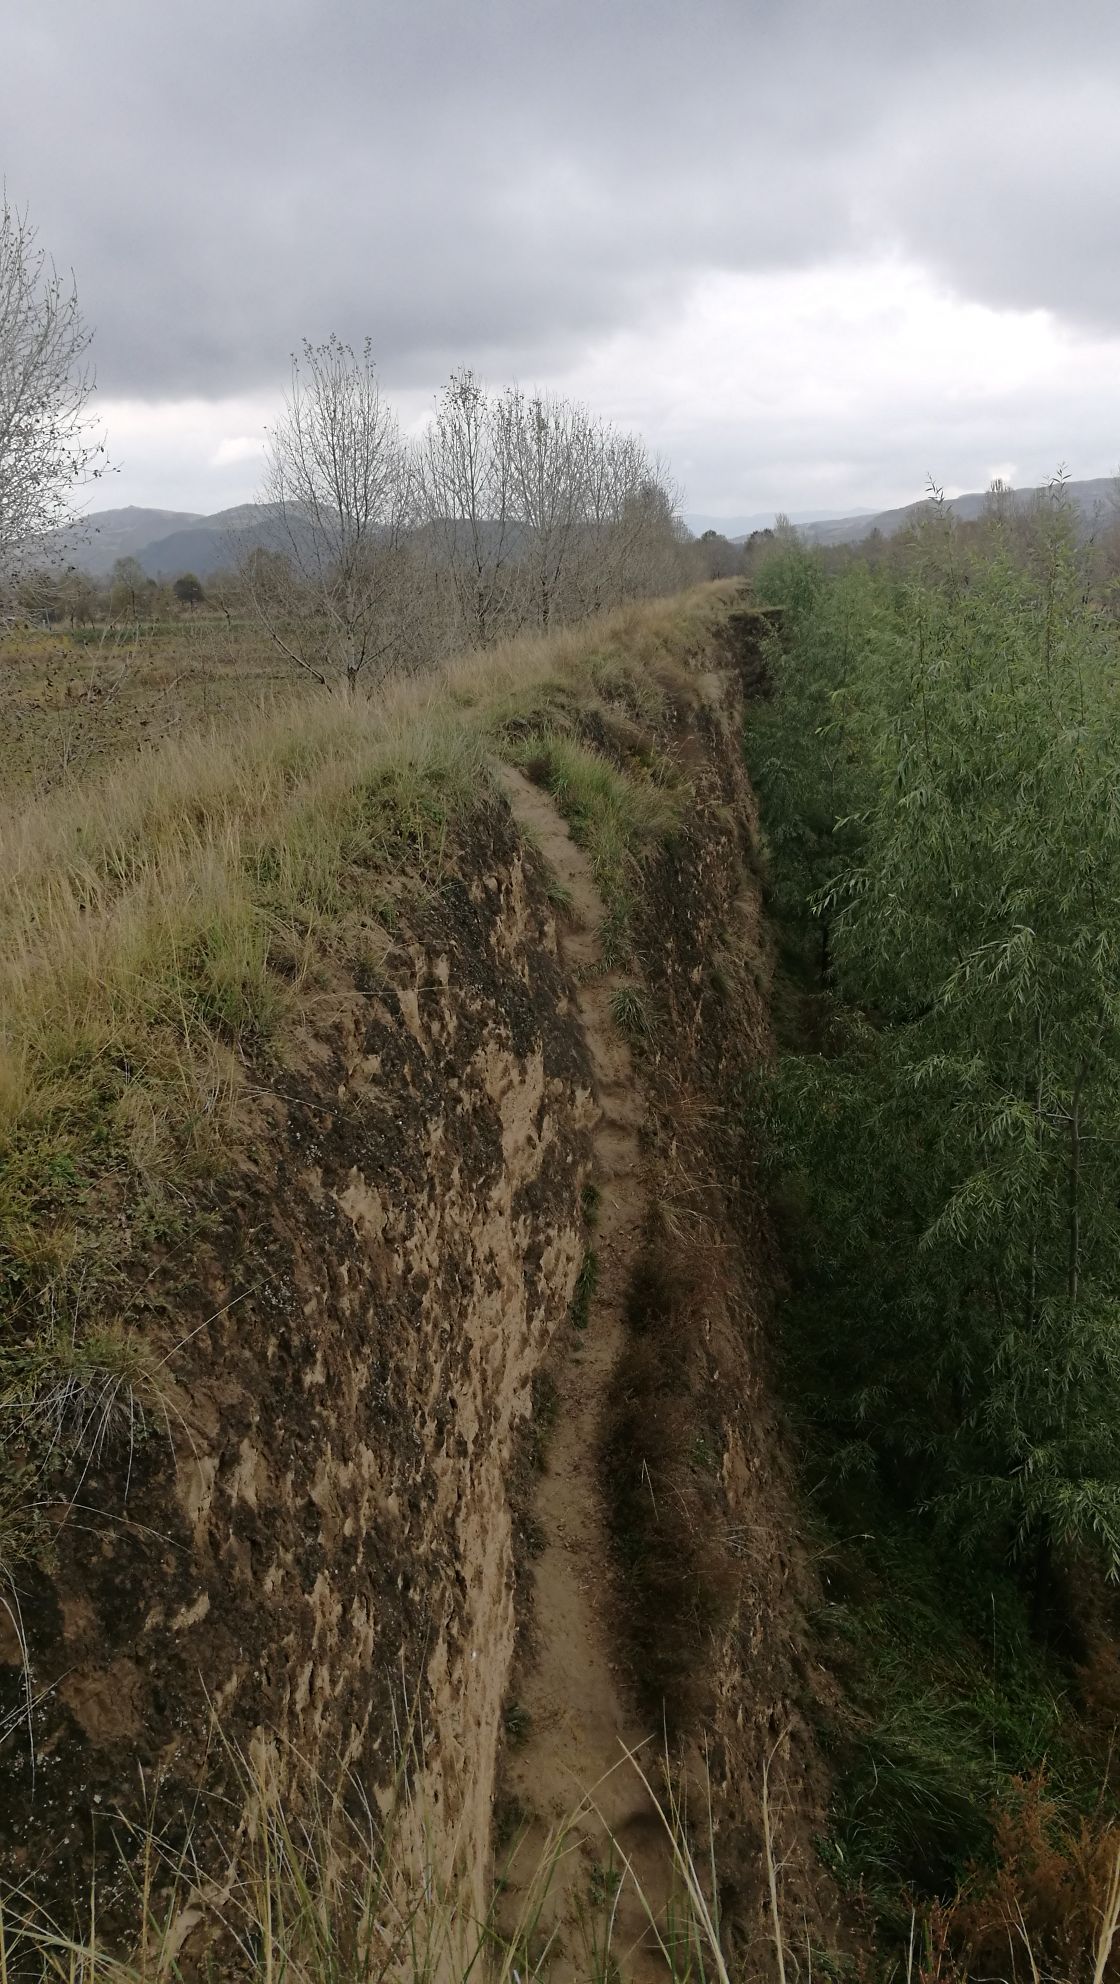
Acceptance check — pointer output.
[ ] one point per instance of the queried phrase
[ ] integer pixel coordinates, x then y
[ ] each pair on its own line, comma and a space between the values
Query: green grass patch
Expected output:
616, 816
516, 1722
579, 1309
630, 1013
948, 1698
558, 892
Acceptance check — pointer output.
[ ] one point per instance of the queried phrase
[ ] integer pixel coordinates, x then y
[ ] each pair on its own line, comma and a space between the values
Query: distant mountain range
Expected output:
1099, 496
738, 529
1096, 497
165, 543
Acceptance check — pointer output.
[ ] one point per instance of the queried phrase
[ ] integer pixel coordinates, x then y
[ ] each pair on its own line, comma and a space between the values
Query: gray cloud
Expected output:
506, 181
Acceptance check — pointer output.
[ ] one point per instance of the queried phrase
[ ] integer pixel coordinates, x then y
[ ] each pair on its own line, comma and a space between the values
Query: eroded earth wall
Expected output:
324, 1565
315, 1567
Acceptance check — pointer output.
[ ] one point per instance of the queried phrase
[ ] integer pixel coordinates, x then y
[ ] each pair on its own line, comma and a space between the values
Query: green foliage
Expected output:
811, 775
617, 816
630, 1012
516, 1722
947, 1697
958, 1271
579, 1309
188, 591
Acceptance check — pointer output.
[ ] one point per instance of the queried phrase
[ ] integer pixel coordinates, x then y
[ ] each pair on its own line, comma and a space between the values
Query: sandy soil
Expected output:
571, 1774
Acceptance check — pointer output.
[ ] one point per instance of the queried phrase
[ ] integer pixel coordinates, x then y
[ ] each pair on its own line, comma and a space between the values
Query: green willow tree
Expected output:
807, 758
956, 1153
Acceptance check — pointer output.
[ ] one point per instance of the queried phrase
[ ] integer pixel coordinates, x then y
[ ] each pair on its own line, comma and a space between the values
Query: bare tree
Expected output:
548, 441
630, 540
515, 506
464, 475
715, 556
337, 491
638, 539
536, 510
592, 574
130, 587
46, 445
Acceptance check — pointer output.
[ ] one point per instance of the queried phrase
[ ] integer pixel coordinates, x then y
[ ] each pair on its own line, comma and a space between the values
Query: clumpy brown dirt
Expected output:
571, 1779
320, 1567
327, 1566
706, 1520
664, 1614
716, 1580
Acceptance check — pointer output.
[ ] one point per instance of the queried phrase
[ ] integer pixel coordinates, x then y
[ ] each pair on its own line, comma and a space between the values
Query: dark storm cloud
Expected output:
502, 181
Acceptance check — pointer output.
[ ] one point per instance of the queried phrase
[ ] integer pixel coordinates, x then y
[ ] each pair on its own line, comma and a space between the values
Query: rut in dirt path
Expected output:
580, 1721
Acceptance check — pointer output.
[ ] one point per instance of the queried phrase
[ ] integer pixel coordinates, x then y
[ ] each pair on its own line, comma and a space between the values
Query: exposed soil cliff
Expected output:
663, 1618
328, 1561
433, 1491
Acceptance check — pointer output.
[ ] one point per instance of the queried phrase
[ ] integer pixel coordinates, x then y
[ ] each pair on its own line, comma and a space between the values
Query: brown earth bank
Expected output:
326, 1564
336, 1567
713, 1581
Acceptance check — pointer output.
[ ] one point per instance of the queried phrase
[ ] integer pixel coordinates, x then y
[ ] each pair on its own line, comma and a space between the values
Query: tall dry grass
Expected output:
342, 1892
160, 926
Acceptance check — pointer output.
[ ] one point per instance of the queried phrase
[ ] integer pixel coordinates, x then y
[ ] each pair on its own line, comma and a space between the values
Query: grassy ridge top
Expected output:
162, 927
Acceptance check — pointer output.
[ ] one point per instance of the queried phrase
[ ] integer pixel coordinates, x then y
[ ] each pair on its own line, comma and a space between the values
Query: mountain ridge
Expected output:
1093, 495
166, 543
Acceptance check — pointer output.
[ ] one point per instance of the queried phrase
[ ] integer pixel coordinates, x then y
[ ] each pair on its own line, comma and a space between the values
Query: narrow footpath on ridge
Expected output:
571, 1772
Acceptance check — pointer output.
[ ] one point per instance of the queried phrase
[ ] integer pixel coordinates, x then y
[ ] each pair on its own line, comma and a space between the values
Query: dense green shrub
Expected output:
939, 774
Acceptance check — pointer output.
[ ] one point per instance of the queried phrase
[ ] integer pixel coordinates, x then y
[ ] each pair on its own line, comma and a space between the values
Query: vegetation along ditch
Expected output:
559, 1373
936, 767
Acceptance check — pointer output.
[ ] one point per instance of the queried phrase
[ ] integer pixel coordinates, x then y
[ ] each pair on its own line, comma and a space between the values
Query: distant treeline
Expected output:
373, 554
1017, 524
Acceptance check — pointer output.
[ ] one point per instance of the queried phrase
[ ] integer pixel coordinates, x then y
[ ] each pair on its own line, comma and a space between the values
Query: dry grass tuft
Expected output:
161, 929
1048, 1906
322, 1889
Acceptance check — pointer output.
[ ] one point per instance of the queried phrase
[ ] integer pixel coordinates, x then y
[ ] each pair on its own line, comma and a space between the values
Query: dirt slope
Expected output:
321, 1565
317, 1566
664, 1613
570, 1777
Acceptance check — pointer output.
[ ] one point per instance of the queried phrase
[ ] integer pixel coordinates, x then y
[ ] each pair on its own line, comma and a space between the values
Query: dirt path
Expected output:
580, 1724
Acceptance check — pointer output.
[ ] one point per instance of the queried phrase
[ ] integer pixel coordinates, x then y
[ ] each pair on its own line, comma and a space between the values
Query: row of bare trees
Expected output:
511, 510
539, 511
371, 553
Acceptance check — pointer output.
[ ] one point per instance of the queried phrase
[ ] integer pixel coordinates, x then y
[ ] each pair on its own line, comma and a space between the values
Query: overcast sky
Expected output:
812, 250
